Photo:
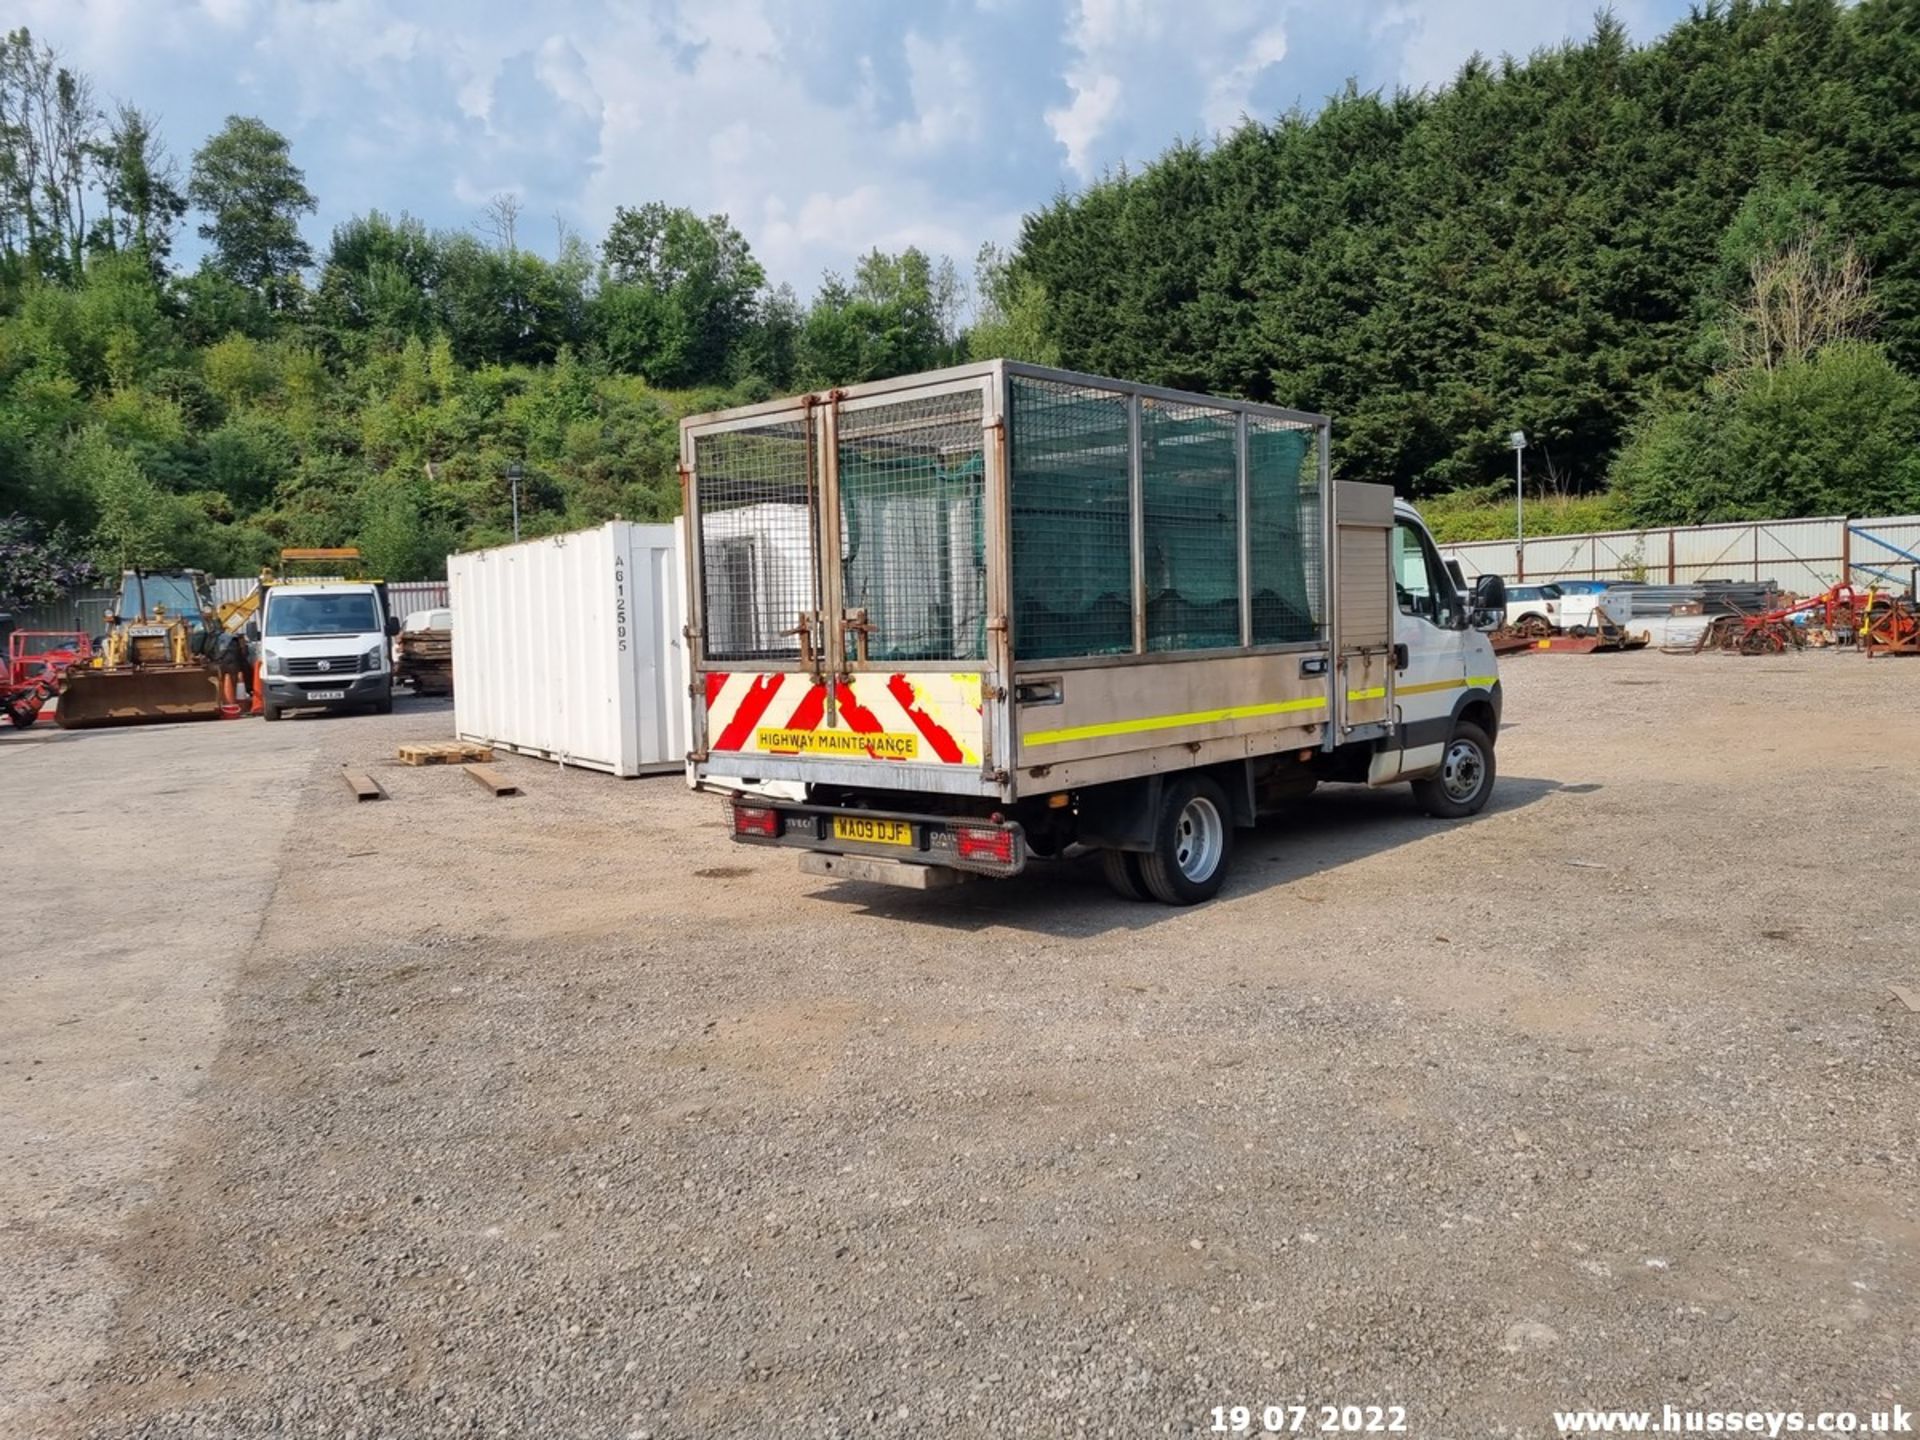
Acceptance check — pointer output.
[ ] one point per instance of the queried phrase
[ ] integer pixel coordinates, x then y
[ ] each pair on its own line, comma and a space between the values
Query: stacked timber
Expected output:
426, 660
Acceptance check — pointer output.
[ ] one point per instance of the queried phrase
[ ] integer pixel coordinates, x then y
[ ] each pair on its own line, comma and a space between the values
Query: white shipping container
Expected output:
571, 648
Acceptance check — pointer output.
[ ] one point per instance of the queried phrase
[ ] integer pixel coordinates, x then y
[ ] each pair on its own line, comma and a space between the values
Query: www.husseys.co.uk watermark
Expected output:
1674, 1420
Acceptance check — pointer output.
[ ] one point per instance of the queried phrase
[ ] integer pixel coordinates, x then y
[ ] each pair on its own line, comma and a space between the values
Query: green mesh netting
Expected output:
1283, 523
1072, 565
1190, 482
1072, 551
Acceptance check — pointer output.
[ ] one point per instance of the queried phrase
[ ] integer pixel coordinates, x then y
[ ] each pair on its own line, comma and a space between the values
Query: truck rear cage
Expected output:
1139, 521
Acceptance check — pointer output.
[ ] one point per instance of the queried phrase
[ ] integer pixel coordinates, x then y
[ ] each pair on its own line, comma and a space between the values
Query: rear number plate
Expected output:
872, 832
326, 694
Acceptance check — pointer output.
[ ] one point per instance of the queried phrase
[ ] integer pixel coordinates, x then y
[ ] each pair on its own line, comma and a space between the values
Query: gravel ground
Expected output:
562, 1116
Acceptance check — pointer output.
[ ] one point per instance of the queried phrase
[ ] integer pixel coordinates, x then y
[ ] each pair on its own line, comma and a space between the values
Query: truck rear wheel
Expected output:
1463, 782
1192, 839
1122, 871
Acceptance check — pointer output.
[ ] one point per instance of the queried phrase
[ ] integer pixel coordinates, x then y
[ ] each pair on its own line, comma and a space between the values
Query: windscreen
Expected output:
150, 596
351, 613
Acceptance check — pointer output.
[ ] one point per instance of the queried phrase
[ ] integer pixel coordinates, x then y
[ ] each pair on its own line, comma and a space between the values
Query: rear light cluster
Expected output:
978, 842
761, 820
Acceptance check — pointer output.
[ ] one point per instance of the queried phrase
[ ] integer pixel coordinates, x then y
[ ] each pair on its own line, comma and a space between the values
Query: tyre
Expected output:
1464, 781
1192, 840
269, 711
23, 715
1122, 871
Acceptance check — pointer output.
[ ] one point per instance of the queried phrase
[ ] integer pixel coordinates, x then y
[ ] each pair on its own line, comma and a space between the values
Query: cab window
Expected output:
1420, 582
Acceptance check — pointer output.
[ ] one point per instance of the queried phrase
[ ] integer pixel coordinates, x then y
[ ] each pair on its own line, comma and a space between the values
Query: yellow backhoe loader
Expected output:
161, 658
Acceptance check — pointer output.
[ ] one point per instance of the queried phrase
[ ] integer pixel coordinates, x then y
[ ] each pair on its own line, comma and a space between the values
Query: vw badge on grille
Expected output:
324, 665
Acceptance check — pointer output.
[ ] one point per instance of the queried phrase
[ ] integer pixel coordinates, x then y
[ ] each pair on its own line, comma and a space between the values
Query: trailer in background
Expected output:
570, 648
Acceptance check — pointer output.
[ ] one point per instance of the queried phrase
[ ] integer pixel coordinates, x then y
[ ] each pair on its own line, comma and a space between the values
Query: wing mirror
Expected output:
1489, 602
252, 631
393, 626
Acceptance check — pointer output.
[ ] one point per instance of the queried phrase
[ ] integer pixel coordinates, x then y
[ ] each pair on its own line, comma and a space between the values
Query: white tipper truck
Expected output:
999, 612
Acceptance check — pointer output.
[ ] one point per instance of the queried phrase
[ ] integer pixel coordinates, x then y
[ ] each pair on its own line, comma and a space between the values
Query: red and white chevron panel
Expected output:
915, 717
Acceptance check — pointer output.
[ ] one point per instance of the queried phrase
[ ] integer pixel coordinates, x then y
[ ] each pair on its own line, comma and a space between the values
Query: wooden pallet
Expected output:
446, 752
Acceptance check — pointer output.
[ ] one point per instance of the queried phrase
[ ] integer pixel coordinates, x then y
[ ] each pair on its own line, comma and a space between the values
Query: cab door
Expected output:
1430, 654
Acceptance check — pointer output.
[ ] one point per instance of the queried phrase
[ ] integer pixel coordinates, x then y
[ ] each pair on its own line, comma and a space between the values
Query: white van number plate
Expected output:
326, 694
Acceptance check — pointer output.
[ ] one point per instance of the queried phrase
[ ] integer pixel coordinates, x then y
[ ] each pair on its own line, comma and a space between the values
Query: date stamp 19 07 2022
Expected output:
1309, 1420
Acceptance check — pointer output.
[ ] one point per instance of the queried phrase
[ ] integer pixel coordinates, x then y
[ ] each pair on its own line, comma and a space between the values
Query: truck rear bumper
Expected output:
882, 872
886, 841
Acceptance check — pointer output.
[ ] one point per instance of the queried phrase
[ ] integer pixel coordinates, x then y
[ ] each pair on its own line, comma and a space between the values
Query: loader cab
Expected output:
324, 645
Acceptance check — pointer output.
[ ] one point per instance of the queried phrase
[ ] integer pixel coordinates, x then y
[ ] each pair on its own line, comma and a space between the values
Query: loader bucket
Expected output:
149, 694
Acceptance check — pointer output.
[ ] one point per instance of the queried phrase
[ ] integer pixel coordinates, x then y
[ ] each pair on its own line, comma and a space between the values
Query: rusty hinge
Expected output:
997, 622
993, 692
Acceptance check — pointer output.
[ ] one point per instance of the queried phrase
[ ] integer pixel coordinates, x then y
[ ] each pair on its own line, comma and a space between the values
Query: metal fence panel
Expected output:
1801, 556
407, 596
1885, 551
82, 612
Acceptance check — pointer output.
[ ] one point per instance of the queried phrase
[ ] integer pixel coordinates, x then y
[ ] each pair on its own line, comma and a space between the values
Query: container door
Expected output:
1364, 610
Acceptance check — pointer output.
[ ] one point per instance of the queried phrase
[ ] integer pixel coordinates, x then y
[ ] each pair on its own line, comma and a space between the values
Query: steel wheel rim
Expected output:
1464, 771
1199, 838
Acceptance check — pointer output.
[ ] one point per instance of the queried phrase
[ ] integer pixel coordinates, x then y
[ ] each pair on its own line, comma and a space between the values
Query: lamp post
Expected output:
1518, 440
514, 472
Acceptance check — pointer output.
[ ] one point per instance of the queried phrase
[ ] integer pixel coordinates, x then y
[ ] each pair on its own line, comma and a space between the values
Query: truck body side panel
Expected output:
1106, 713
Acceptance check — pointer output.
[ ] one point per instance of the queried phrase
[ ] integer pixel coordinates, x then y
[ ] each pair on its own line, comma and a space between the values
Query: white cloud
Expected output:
1436, 36
1079, 125
945, 96
562, 71
1230, 93
229, 14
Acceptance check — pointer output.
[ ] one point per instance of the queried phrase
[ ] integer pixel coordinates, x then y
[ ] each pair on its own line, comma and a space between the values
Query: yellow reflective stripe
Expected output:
1429, 687
1483, 682
1379, 692
1168, 722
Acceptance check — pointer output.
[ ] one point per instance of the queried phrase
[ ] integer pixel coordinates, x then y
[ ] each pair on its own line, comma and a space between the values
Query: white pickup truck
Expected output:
1001, 611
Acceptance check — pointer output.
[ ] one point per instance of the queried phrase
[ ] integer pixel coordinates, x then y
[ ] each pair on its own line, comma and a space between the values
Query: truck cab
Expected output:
324, 645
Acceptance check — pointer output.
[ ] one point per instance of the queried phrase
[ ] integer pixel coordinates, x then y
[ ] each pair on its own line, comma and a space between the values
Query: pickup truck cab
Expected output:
324, 645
